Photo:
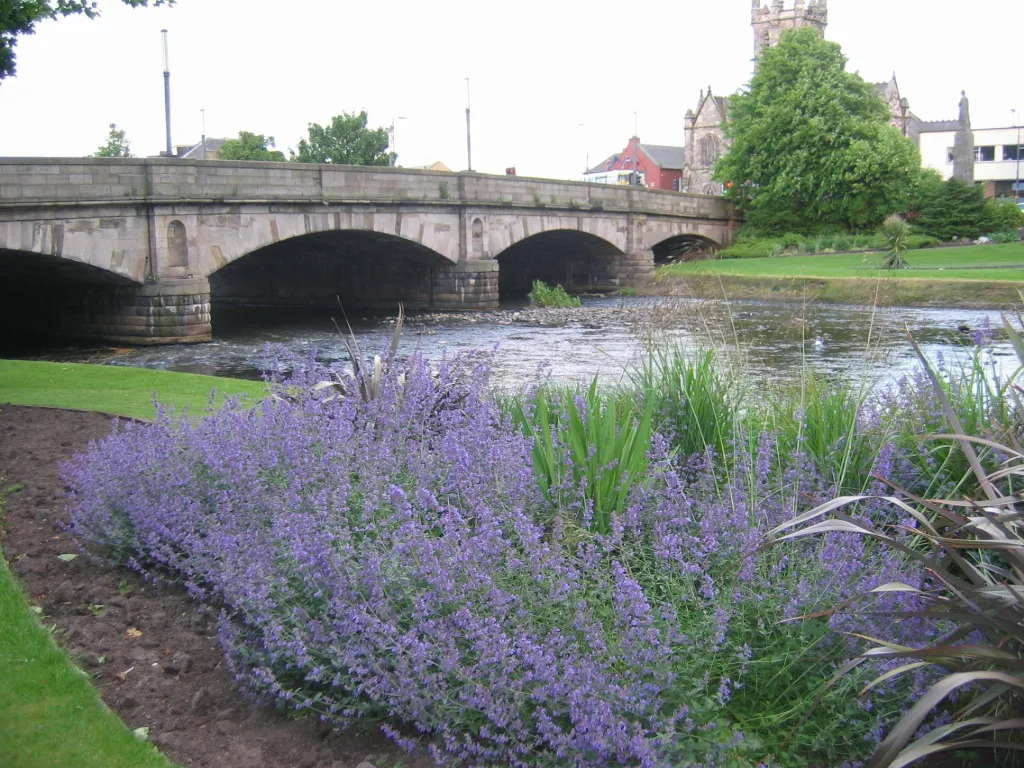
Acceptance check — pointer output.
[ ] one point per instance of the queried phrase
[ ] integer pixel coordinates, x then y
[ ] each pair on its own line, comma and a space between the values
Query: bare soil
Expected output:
151, 650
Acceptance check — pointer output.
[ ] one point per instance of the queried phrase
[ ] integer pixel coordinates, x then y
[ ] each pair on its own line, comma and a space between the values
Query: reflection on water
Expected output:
605, 337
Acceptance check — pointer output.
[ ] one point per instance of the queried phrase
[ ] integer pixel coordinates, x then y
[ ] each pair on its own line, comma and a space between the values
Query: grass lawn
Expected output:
49, 713
112, 388
992, 263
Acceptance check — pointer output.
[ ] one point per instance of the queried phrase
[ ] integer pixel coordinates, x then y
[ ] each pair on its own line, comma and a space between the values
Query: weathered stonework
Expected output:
769, 22
144, 244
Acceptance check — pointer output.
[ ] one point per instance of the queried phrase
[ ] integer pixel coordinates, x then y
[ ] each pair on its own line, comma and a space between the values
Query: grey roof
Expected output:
939, 126
196, 151
664, 156
605, 164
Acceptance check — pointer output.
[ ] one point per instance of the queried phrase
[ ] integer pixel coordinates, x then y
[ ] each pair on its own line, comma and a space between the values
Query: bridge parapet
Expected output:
39, 181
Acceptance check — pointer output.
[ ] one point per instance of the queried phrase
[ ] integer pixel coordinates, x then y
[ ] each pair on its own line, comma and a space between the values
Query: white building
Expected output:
998, 153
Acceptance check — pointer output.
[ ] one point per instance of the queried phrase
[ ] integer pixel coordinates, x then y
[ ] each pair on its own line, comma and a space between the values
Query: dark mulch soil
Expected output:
172, 677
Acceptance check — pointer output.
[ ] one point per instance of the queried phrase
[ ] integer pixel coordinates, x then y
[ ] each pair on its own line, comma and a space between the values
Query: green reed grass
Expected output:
601, 447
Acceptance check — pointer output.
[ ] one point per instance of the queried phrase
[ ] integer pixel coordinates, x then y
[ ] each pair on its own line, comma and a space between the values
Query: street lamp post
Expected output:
394, 153
1016, 183
469, 144
636, 140
202, 112
167, 92
586, 151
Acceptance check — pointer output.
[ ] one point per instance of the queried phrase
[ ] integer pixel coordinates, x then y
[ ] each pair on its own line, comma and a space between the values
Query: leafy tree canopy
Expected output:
19, 17
117, 144
250, 146
811, 144
346, 141
953, 209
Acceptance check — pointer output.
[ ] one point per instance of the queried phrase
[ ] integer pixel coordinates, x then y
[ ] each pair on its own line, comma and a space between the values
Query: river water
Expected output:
776, 340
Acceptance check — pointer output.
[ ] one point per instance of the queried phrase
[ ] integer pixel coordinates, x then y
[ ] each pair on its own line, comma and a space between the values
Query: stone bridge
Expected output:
138, 250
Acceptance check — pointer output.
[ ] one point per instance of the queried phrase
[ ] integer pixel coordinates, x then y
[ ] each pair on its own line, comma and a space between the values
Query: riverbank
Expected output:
974, 277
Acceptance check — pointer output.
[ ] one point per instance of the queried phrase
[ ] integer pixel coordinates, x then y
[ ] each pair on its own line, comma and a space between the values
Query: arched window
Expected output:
177, 245
710, 148
711, 189
478, 237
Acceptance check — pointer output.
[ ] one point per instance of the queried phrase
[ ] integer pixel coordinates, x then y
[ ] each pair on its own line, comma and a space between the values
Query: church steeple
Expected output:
770, 22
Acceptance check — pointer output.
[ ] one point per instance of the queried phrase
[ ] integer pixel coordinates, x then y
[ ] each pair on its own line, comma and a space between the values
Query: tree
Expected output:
19, 17
346, 141
117, 144
954, 209
812, 147
250, 146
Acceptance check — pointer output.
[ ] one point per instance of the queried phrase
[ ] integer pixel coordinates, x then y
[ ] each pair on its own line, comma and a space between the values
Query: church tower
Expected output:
769, 22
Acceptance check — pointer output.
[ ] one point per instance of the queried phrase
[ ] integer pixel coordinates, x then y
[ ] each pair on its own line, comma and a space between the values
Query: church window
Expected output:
710, 149
710, 189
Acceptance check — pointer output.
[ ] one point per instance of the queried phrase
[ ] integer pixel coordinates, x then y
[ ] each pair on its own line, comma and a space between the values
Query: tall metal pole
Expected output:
469, 143
167, 93
1016, 184
636, 140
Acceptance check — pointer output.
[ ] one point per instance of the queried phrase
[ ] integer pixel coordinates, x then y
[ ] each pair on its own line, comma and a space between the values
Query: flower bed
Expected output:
395, 558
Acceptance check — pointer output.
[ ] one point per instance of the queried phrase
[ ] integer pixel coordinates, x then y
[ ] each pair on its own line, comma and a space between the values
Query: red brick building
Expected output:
659, 166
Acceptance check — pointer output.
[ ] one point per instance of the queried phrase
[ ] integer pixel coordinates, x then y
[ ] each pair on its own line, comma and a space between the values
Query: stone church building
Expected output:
705, 140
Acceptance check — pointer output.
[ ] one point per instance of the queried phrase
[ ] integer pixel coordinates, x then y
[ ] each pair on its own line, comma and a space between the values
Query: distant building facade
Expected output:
705, 140
207, 149
651, 165
987, 156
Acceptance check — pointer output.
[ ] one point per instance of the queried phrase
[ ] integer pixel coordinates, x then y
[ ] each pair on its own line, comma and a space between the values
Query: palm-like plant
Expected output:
971, 553
896, 232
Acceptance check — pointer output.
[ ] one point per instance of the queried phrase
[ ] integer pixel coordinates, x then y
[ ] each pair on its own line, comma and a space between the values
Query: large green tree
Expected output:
346, 141
250, 146
19, 17
812, 146
117, 144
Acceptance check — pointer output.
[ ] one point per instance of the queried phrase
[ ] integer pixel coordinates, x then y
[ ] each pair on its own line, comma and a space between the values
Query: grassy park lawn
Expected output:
994, 263
112, 389
50, 714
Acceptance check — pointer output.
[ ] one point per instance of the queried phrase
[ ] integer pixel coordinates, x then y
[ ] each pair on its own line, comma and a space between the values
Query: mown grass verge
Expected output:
995, 263
50, 714
113, 389
949, 277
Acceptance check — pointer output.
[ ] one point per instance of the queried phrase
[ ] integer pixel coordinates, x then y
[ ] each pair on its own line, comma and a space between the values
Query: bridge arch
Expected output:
364, 269
44, 297
577, 260
684, 247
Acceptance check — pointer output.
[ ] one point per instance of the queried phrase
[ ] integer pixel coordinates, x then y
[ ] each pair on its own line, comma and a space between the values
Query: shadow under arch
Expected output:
362, 268
684, 248
578, 261
46, 299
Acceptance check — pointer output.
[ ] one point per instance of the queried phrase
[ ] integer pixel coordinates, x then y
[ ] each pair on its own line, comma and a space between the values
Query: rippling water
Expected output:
605, 337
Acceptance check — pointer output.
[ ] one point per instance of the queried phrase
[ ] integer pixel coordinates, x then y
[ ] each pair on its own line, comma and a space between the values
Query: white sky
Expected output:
538, 69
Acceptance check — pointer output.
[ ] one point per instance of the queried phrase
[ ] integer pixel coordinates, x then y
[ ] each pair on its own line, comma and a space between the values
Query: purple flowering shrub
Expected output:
396, 558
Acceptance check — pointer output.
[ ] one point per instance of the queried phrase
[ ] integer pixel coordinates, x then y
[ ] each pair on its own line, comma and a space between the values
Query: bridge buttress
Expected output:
168, 311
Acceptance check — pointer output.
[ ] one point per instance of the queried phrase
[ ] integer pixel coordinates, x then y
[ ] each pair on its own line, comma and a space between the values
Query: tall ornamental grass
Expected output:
969, 582
400, 559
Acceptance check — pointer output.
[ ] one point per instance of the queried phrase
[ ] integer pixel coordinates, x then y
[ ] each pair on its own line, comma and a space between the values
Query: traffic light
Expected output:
510, 171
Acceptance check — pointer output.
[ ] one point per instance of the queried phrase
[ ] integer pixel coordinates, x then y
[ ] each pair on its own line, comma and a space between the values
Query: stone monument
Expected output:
963, 144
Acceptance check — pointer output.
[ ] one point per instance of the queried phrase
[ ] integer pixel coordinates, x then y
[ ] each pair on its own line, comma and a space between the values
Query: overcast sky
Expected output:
538, 70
